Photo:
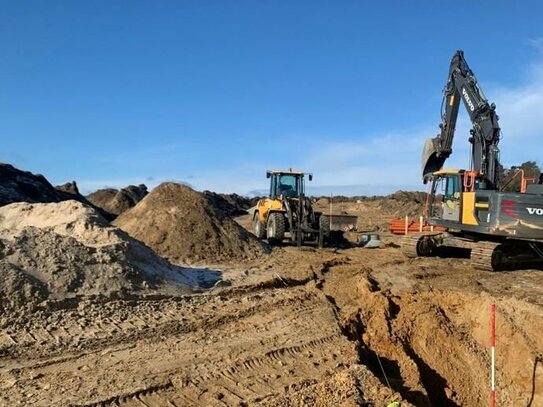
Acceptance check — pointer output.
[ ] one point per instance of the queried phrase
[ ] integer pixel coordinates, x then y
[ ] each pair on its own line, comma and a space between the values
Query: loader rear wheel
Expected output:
275, 229
324, 231
324, 225
259, 227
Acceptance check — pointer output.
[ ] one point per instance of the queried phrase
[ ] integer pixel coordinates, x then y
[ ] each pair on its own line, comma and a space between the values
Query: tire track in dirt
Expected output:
292, 327
233, 384
114, 325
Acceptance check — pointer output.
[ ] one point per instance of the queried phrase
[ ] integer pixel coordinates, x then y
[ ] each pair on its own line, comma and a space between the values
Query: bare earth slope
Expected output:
186, 227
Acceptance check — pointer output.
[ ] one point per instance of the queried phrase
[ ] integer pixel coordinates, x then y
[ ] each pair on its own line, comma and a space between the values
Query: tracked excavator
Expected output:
501, 229
287, 211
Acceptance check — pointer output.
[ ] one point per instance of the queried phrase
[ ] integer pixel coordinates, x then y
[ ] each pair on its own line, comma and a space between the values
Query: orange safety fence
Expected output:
405, 226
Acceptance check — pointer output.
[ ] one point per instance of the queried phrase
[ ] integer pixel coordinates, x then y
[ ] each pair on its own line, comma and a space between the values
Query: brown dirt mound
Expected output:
23, 186
69, 188
230, 204
184, 226
62, 250
118, 201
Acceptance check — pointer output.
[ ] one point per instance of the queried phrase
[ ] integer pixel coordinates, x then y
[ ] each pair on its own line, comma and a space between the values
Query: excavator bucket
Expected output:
431, 162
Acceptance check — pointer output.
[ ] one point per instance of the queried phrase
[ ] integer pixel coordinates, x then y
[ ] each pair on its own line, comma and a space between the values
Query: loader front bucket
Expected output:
431, 161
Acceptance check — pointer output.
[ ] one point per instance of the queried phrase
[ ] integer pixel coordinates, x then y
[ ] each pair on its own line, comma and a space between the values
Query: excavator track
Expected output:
484, 256
413, 245
410, 244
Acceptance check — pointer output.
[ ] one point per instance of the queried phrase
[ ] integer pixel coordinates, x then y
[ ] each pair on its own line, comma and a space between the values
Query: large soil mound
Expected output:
23, 186
61, 250
118, 201
186, 227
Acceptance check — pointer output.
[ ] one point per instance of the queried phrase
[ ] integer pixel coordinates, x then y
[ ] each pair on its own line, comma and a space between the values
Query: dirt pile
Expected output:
62, 250
69, 188
23, 186
230, 204
186, 227
118, 201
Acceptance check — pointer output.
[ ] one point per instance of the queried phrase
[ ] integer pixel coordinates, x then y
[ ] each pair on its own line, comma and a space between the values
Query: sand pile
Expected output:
186, 227
118, 201
61, 250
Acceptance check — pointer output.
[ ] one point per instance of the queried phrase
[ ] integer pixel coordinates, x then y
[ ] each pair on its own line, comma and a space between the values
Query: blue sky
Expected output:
213, 93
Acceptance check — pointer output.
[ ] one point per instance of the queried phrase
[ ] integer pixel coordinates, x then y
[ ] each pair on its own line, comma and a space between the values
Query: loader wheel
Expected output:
324, 225
324, 231
275, 229
259, 228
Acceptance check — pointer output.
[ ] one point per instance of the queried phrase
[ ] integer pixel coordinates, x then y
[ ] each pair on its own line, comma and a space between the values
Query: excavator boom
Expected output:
484, 135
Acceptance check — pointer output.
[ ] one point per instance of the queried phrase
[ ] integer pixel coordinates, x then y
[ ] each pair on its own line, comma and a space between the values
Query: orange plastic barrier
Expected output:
401, 226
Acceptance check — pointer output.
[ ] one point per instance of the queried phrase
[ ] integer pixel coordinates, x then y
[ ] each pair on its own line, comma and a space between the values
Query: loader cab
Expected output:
446, 196
289, 184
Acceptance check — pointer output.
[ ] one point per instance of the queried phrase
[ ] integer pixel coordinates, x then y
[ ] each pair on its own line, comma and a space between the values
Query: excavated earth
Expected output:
189, 227
117, 201
298, 327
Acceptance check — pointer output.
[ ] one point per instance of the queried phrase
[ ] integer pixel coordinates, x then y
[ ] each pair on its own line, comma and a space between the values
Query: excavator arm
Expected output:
484, 135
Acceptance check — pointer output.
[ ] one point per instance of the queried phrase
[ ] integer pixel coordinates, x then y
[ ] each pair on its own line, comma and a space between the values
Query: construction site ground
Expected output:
342, 326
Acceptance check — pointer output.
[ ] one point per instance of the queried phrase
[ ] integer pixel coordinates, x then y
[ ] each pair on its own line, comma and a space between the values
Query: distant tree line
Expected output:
510, 180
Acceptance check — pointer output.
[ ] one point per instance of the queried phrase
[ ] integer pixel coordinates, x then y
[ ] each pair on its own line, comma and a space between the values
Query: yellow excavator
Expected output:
287, 211
501, 229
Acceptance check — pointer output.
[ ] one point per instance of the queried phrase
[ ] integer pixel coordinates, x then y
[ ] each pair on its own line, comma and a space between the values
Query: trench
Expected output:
390, 354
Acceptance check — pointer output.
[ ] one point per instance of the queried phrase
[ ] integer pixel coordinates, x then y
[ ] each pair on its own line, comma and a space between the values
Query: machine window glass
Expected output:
452, 186
440, 186
439, 190
288, 185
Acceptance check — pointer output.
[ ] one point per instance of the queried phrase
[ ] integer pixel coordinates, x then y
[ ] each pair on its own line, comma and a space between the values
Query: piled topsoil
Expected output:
69, 188
229, 204
118, 201
66, 249
23, 186
187, 227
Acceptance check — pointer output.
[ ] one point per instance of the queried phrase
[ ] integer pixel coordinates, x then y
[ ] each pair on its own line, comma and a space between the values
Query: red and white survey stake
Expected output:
492, 355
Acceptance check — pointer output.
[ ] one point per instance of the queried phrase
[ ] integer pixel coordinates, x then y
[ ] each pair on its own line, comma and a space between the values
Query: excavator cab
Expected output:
446, 196
287, 211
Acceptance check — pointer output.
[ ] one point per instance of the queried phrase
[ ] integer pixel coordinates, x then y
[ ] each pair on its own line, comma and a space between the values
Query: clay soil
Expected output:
298, 327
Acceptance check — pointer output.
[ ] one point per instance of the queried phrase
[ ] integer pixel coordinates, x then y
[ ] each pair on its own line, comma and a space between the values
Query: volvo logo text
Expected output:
535, 211
467, 99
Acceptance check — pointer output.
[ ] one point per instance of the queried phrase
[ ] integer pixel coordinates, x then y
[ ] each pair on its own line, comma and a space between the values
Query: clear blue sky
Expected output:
213, 93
